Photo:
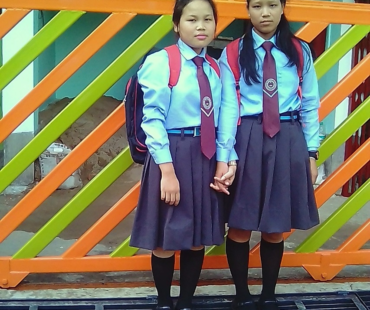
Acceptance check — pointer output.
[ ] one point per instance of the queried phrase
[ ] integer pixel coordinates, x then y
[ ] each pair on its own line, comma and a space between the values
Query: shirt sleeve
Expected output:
310, 102
229, 113
153, 78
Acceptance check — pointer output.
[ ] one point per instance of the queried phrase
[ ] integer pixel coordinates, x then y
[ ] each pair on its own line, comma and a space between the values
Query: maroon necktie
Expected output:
207, 128
271, 117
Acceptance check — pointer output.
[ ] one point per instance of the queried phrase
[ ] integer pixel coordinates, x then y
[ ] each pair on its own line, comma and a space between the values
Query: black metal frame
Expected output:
359, 300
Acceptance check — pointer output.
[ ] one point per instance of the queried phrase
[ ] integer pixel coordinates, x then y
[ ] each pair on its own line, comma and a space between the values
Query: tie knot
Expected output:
198, 61
267, 45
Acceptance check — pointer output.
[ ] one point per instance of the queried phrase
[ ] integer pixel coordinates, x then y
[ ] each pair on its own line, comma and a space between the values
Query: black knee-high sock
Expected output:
190, 267
271, 256
238, 258
162, 269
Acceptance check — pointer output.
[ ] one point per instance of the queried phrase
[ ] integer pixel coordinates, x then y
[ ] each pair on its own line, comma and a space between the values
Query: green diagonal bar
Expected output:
46, 36
217, 249
336, 220
76, 206
352, 123
344, 44
84, 100
124, 249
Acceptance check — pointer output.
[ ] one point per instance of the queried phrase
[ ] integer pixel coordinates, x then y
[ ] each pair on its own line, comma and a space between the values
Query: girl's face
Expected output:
197, 25
265, 16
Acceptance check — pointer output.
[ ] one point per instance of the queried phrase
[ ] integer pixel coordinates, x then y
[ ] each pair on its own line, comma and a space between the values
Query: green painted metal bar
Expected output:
46, 36
353, 122
76, 206
84, 100
124, 249
217, 249
336, 220
344, 44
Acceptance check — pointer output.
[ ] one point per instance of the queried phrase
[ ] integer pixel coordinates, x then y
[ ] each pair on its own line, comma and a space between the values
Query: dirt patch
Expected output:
82, 127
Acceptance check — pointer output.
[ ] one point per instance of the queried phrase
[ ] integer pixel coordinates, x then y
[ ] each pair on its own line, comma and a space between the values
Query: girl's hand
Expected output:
314, 172
170, 186
228, 178
223, 178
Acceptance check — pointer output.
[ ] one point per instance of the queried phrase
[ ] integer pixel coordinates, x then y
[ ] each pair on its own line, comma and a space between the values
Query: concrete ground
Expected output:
140, 283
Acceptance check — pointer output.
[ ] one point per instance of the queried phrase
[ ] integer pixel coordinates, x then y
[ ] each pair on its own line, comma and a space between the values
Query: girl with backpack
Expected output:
177, 209
276, 142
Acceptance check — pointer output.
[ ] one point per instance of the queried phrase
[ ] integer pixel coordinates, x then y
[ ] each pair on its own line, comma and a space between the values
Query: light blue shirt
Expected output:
288, 82
166, 109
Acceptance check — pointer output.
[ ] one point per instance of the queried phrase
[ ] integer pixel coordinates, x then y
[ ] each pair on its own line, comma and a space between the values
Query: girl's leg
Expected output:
237, 251
191, 262
272, 248
163, 263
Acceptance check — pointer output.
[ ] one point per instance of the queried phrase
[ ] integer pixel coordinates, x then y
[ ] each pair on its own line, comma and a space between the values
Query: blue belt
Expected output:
288, 118
284, 117
188, 132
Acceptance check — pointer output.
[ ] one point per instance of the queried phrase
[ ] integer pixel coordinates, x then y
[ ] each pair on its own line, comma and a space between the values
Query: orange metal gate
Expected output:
320, 264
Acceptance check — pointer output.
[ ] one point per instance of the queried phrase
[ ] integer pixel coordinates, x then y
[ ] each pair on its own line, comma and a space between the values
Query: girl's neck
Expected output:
265, 36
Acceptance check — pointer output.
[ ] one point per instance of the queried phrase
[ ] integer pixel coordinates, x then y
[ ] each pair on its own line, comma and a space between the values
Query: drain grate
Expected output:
317, 301
365, 297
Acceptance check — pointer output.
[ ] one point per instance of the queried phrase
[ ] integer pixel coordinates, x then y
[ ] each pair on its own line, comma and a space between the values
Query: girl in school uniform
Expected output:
177, 209
276, 142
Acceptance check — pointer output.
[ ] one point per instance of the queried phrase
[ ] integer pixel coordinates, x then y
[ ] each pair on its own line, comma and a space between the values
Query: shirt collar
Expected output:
258, 40
188, 52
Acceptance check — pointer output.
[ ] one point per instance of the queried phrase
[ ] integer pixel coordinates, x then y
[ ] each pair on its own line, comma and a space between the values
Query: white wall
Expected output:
23, 83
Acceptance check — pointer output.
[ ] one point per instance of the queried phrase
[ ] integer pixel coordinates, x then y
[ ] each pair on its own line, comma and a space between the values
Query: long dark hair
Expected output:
284, 37
181, 4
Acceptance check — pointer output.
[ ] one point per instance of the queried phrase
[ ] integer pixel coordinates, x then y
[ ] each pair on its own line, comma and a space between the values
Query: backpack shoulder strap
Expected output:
214, 64
299, 49
232, 55
174, 62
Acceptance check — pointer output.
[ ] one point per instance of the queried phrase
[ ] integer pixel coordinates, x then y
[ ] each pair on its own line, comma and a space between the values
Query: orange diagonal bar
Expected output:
340, 176
346, 86
357, 239
105, 224
311, 30
344, 172
297, 10
222, 23
61, 172
9, 19
96, 40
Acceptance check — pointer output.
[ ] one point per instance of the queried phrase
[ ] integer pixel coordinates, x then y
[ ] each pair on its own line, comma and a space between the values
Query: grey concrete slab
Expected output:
12, 145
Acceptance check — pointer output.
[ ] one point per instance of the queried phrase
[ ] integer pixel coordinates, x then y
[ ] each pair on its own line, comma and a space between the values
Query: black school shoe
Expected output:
244, 305
163, 308
268, 305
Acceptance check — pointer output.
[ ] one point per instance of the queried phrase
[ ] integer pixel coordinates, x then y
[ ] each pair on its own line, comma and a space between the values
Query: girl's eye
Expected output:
191, 20
256, 6
208, 19
273, 5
